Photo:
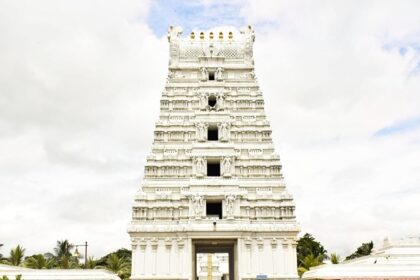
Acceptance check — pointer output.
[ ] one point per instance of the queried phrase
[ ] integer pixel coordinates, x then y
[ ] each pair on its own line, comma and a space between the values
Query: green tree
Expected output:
91, 263
16, 256
121, 253
307, 245
118, 265
334, 258
39, 261
363, 250
63, 248
307, 262
63, 256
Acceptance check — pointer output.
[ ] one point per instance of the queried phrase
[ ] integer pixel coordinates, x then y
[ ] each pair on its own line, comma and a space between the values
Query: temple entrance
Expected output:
214, 259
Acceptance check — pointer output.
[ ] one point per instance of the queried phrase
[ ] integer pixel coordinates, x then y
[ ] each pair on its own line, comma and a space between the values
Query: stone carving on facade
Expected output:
201, 131
203, 100
219, 74
197, 201
230, 204
219, 101
227, 167
174, 39
199, 167
171, 74
249, 34
180, 242
224, 131
170, 208
204, 74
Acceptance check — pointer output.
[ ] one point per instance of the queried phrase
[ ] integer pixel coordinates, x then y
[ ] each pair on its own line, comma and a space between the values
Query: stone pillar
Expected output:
135, 257
285, 256
168, 249
181, 257
155, 244
142, 262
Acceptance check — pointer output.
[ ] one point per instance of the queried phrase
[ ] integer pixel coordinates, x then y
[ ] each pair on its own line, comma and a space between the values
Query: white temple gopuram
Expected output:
213, 182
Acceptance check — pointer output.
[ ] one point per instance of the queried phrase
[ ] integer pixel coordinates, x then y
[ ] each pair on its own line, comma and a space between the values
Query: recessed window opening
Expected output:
212, 101
214, 209
211, 76
213, 168
213, 133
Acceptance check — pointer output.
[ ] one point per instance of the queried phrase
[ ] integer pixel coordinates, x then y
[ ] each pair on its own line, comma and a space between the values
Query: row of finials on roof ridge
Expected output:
211, 35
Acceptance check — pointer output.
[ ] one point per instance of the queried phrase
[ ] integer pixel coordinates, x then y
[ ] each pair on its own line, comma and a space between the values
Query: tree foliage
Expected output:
334, 258
39, 261
308, 262
118, 264
16, 256
309, 253
363, 250
307, 245
121, 253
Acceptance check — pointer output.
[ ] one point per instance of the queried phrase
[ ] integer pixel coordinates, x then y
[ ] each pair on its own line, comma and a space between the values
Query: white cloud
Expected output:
76, 82
330, 83
80, 84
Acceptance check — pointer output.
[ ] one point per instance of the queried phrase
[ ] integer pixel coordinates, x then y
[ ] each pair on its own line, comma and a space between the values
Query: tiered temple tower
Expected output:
212, 181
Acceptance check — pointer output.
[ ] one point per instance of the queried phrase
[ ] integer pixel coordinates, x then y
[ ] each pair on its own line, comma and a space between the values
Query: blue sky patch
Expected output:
192, 14
400, 127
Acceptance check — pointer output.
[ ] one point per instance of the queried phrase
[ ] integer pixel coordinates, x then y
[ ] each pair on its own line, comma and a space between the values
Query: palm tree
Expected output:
335, 258
118, 265
91, 263
308, 262
63, 248
63, 255
39, 262
16, 256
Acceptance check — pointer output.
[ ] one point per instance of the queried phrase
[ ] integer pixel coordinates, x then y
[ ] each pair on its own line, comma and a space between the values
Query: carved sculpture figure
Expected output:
219, 101
224, 131
174, 34
204, 74
226, 166
230, 202
203, 98
249, 40
219, 74
199, 166
197, 201
201, 131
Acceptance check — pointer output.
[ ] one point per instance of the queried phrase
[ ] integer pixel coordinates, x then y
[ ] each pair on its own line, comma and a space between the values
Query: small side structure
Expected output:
55, 274
395, 260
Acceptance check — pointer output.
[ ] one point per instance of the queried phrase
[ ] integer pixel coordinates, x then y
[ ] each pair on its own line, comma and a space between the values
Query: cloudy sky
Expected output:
80, 83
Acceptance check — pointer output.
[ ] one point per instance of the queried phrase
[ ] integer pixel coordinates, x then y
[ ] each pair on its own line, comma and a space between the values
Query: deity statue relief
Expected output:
203, 100
219, 101
204, 74
224, 131
230, 203
198, 202
199, 166
201, 131
249, 41
219, 74
174, 37
226, 166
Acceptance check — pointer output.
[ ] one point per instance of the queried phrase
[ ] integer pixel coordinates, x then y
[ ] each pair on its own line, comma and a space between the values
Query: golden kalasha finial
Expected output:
202, 35
192, 36
221, 35
211, 35
230, 35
